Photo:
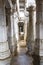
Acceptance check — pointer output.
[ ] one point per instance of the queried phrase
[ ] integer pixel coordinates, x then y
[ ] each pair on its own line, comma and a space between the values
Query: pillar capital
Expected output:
31, 8
39, 1
14, 9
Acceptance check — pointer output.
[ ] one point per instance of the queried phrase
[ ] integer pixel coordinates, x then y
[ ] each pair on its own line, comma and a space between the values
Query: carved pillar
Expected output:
39, 28
25, 25
39, 19
30, 29
38, 40
4, 48
11, 32
13, 36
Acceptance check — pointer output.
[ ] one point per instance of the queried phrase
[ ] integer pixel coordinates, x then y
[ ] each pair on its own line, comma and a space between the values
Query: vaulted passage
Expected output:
21, 32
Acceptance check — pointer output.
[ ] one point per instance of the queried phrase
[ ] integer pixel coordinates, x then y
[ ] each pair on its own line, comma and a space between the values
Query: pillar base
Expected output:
41, 60
4, 50
4, 55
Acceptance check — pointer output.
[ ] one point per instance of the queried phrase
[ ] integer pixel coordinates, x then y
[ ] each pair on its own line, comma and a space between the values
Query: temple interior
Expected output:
21, 32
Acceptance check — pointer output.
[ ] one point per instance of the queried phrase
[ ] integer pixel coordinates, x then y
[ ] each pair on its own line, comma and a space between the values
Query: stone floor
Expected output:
20, 59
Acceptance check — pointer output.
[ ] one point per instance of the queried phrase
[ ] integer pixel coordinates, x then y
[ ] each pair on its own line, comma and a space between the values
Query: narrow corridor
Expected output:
21, 32
22, 58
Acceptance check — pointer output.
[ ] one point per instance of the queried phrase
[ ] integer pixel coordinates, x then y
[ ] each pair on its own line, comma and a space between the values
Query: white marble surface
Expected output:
5, 62
41, 31
4, 55
41, 63
4, 46
2, 16
3, 34
16, 32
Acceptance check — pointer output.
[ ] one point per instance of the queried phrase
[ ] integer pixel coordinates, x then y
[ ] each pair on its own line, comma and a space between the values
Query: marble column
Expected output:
39, 28
39, 31
30, 30
4, 48
25, 30
11, 32
13, 36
